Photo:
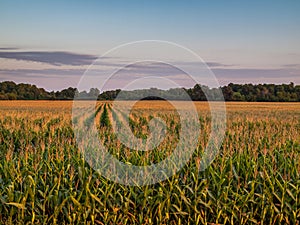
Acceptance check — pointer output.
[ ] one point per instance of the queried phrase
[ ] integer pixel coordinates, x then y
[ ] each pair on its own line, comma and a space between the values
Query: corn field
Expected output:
44, 179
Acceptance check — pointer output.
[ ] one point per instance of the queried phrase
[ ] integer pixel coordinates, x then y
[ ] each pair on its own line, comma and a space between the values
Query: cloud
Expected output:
255, 76
127, 72
166, 69
58, 58
291, 65
53, 58
8, 48
70, 73
256, 73
159, 69
39, 73
153, 65
216, 64
209, 64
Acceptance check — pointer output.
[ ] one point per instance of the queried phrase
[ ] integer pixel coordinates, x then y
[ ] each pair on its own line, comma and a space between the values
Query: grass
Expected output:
45, 180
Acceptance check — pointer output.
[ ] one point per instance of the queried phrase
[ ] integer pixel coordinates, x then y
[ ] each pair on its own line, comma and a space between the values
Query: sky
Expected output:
53, 43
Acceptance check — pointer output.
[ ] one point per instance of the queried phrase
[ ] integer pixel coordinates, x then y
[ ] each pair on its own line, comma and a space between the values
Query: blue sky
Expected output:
256, 41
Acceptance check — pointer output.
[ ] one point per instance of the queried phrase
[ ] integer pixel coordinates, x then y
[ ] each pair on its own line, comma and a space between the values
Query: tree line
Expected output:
231, 92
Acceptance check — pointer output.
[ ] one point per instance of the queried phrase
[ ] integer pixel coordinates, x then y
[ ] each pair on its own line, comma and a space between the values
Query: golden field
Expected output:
255, 178
201, 106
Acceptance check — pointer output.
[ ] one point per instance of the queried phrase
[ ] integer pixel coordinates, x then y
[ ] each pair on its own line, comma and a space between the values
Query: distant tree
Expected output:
12, 96
231, 92
228, 93
237, 96
94, 92
66, 94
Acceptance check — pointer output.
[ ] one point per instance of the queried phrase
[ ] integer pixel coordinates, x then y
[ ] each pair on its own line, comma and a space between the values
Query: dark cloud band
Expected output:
53, 58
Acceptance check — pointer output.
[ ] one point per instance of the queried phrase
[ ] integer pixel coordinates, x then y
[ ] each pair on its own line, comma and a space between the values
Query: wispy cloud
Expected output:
69, 67
291, 65
58, 58
257, 73
39, 73
216, 64
246, 75
162, 69
8, 48
53, 58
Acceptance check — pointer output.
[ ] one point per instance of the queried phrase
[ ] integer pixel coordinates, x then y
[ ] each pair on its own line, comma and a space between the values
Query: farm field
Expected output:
44, 179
